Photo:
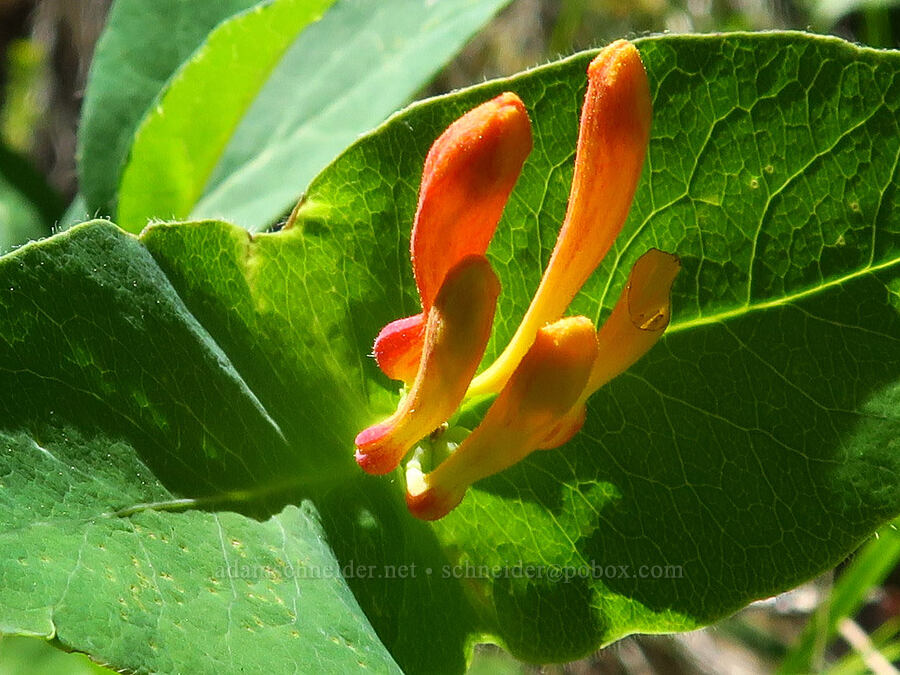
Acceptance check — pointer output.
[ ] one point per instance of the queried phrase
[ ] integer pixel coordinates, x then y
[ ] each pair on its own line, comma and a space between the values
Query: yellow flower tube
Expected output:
637, 322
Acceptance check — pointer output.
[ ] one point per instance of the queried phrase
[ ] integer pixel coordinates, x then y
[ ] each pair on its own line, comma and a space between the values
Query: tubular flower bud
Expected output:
639, 318
545, 385
612, 141
468, 176
456, 333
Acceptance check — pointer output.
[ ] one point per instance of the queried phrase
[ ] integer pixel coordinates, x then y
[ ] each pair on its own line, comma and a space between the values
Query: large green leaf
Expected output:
339, 78
136, 586
96, 553
143, 44
378, 56
759, 443
753, 448
179, 142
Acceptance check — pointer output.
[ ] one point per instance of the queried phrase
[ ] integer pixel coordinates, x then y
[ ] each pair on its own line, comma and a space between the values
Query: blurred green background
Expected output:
847, 621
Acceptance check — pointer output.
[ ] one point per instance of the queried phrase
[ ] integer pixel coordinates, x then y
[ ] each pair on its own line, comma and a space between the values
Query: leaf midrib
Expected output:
751, 308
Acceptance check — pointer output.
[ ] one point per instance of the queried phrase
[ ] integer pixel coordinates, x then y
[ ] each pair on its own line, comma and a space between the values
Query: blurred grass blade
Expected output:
180, 141
870, 567
859, 640
884, 638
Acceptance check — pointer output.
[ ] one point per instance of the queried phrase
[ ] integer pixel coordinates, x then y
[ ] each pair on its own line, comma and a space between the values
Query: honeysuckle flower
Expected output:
638, 319
457, 330
469, 173
552, 365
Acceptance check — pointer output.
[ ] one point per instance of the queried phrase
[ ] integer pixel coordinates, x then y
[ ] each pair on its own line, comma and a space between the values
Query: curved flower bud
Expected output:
543, 388
612, 141
637, 321
639, 318
469, 173
456, 334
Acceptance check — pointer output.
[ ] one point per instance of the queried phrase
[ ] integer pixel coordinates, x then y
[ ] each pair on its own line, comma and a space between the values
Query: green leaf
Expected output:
311, 108
97, 552
179, 142
304, 114
143, 44
757, 445
135, 585
38, 657
752, 449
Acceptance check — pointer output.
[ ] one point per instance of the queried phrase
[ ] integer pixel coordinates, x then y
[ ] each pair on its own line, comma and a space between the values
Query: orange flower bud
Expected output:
469, 173
543, 388
612, 141
639, 318
456, 334
637, 321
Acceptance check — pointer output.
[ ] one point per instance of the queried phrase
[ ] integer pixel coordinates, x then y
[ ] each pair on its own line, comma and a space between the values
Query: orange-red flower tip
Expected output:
534, 401
374, 454
456, 333
398, 347
426, 502
468, 176
618, 72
